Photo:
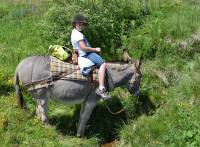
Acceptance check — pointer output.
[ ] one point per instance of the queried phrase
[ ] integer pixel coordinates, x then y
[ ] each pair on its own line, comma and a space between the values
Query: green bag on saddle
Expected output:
60, 52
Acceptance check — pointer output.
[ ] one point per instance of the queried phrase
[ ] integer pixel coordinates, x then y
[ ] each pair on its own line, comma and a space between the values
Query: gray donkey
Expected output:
36, 68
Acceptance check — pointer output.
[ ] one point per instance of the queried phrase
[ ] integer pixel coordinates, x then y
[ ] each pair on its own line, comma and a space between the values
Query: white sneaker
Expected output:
103, 94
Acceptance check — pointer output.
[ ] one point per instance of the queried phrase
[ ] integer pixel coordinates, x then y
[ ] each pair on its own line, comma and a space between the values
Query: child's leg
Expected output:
101, 91
101, 76
101, 65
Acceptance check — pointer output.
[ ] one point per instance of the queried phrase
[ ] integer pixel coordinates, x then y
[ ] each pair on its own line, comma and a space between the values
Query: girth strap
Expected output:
39, 84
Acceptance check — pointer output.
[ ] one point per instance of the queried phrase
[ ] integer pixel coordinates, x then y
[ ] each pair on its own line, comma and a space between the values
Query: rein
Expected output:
119, 111
114, 113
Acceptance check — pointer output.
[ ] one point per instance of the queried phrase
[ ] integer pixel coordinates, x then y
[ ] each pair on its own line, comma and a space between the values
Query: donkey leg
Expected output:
86, 111
41, 109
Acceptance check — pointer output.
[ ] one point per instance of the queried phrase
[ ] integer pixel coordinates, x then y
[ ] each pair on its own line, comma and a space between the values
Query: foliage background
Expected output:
168, 37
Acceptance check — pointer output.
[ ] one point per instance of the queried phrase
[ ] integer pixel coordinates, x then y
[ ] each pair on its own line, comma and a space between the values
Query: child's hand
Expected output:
98, 49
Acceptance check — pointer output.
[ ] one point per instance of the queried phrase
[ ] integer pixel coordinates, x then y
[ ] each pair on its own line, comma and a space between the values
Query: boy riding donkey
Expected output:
84, 49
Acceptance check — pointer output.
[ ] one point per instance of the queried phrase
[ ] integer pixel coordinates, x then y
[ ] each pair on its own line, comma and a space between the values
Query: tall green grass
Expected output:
175, 122
166, 113
167, 24
18, 128
170, 79
19, 37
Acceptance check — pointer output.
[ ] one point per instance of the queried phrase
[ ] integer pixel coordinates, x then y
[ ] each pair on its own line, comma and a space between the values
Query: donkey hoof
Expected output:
46, 121
80, 135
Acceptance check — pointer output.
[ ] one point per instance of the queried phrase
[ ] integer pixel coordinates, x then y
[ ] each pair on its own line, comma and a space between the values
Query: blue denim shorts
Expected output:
94, 57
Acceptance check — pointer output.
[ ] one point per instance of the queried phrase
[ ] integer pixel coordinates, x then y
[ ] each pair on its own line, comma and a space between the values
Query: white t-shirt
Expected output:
77, 36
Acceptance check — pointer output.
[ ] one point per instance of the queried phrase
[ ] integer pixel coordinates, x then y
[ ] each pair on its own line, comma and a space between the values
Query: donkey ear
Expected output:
126, 57
139, 62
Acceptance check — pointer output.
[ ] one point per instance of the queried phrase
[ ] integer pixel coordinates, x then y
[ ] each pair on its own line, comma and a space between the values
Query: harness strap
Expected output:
39, 84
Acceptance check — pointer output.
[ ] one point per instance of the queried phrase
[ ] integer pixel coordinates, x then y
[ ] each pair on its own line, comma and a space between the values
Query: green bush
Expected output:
109, 22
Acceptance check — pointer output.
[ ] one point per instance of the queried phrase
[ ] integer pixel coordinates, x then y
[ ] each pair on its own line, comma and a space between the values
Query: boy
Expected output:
81, 44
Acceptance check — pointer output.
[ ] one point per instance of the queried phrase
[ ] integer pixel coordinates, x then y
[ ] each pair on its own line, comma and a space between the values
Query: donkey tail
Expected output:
20, 99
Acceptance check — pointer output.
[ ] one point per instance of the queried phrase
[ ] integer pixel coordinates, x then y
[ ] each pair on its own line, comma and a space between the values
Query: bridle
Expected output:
131, 82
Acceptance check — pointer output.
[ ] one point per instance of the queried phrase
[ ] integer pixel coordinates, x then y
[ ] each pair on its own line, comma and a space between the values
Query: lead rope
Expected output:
114, 113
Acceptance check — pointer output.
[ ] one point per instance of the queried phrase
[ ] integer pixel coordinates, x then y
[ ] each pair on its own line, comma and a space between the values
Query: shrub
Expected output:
109, 22
3, 12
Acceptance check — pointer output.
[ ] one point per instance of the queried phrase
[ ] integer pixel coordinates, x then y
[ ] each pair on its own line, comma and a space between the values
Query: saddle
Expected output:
67, 71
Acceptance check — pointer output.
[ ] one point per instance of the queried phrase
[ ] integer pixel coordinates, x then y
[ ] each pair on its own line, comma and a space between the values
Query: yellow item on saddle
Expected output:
59, 52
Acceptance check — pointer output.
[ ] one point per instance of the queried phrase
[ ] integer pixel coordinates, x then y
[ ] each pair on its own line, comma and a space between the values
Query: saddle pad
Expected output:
66, 71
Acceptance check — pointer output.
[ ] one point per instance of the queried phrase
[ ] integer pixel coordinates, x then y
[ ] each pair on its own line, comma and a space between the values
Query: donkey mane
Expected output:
118, 66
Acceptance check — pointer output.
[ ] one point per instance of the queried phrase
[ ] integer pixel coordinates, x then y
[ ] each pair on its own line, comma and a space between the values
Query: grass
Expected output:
24, 129
175, 121
166, 113
163, 29
19, 37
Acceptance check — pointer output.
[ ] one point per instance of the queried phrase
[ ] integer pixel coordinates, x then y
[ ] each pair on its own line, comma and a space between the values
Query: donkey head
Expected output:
133, 84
